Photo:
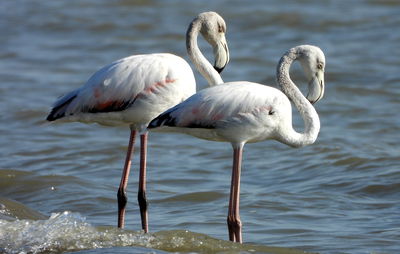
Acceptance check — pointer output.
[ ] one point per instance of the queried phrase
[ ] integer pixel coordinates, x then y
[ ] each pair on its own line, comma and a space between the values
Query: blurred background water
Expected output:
58, 182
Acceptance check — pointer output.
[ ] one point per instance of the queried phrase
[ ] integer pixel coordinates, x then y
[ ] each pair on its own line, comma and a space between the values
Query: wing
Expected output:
222, 105
118, 85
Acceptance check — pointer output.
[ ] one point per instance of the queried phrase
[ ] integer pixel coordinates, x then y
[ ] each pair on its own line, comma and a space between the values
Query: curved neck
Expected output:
310, 117
201, 63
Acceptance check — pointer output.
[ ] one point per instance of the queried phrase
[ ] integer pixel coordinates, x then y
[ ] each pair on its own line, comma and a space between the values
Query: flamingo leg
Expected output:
143, 204
234, 222
121, 195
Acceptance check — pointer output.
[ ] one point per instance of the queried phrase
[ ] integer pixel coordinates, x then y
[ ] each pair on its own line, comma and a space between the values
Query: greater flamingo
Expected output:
244, 112
133, 90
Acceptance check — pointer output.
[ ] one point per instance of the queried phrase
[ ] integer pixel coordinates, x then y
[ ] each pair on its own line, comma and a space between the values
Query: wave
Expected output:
23, 230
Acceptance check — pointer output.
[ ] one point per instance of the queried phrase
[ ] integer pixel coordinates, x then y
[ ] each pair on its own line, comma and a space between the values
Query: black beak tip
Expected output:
219, 70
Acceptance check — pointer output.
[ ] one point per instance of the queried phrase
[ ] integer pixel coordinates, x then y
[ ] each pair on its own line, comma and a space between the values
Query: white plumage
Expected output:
129, 91
232, 112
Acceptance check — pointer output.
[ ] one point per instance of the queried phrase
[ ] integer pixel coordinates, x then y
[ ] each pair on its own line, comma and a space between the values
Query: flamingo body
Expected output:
129, 91
233, 112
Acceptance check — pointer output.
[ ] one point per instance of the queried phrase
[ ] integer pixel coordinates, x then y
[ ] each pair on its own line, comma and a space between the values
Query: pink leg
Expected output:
234, 222
143, 204
122, 197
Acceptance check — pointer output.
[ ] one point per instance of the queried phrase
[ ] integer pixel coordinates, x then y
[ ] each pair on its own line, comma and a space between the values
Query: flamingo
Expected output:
133, 90
245, 112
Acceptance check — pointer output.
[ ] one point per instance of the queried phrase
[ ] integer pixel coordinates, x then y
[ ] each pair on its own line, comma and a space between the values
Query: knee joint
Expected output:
142, 199
122, 198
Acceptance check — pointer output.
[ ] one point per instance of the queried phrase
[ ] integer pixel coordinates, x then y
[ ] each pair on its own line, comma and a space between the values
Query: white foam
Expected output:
63, 231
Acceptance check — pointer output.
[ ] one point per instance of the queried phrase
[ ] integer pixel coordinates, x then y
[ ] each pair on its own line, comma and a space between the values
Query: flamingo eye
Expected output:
221, 28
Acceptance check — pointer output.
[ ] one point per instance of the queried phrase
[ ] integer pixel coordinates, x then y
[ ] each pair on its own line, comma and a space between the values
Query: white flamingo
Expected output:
133, 90
245, 112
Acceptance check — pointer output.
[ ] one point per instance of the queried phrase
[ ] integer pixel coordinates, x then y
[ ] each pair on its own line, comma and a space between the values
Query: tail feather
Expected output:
165, 119
58, 111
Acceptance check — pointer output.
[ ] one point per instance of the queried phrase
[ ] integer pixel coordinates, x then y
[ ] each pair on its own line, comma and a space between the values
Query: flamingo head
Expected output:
213, 29
312, 60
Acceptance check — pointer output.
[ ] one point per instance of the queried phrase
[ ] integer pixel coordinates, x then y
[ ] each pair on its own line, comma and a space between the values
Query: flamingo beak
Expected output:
221, 53
316, 87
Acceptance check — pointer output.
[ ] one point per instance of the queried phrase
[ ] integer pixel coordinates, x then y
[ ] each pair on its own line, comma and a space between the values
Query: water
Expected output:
58, 182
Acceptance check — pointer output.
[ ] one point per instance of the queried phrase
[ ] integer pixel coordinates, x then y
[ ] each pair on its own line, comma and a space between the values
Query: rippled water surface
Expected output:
58, 182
